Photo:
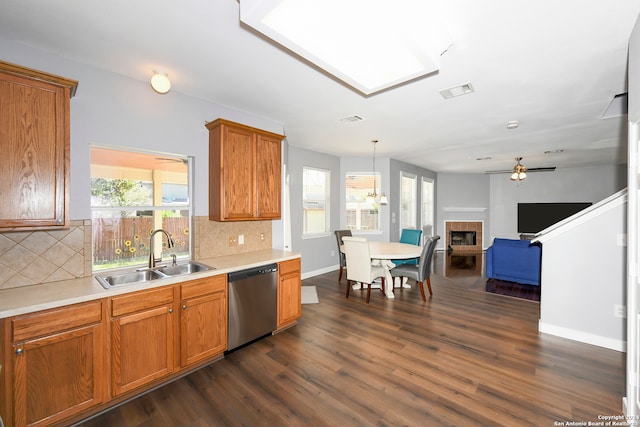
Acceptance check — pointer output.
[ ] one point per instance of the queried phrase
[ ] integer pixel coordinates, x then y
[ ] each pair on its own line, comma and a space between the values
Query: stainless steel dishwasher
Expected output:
253, 303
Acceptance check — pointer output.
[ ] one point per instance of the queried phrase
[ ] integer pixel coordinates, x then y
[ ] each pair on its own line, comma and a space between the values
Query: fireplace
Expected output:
464, 236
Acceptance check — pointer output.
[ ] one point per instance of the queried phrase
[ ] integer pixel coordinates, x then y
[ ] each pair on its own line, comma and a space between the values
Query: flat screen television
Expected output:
535, 217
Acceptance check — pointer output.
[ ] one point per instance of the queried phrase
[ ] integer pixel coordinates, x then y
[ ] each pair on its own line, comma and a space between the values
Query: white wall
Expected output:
462, 197
584, 184
110, 109
584, 275
319, 254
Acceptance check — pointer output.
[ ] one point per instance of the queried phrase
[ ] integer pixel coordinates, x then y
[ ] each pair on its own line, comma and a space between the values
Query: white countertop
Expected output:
28, 299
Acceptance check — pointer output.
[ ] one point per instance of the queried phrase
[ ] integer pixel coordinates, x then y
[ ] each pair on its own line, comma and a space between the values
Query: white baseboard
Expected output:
584, 337
321, 271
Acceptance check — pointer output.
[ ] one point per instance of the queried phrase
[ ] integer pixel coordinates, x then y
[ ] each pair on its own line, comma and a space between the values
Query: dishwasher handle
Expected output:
255, 271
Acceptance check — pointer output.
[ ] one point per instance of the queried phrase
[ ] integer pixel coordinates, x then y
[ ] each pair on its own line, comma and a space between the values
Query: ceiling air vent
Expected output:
351, 119
464, 89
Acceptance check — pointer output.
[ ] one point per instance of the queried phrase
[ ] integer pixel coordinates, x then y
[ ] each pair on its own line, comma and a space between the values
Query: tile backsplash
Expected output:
66, 254
212, 237
31, 257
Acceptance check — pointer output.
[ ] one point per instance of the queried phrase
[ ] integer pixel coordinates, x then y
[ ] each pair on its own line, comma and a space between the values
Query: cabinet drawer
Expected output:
141, 300
289, 266
56, 320
198, 287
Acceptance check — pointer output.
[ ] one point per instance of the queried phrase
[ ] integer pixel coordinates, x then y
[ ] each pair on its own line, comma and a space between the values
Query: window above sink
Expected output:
134, 193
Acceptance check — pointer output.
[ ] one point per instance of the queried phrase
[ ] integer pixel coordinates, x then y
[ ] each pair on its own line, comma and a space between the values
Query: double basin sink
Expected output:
149, 274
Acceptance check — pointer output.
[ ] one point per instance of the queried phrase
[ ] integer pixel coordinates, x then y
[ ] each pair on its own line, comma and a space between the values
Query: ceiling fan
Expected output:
519, 168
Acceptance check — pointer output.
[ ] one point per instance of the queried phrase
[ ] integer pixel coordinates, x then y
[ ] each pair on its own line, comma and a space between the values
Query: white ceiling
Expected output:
552, 65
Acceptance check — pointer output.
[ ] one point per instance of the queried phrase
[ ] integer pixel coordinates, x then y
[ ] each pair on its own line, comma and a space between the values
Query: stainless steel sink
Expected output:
129, 278
146, 275
180, 269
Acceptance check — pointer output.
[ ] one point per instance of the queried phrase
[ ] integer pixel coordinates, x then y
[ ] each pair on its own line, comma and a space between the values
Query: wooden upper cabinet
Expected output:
244, 172
34, 141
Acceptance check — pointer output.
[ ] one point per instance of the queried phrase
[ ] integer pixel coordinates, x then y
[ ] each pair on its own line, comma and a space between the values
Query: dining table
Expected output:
382, 253
385, 252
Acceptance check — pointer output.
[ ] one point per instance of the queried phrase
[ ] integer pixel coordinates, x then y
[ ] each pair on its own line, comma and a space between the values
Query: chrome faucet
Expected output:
152, 258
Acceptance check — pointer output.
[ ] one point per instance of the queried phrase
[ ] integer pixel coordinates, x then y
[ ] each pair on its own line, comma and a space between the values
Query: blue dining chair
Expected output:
412, 237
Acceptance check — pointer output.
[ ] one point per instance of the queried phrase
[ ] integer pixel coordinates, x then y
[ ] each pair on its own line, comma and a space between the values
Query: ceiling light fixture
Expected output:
518, 171
513, 124
160, 82
371, 46
371, 197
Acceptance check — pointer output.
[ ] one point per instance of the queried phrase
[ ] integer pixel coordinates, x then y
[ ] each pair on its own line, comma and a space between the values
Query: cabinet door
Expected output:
268, 172
34, 140
203, 319
289, 292
238, 162
58, 375
142, 340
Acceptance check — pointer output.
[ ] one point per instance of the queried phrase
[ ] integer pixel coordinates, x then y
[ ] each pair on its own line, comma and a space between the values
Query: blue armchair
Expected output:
514, 261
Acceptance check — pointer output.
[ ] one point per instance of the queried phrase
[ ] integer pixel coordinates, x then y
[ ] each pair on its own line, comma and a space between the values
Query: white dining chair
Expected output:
359, 268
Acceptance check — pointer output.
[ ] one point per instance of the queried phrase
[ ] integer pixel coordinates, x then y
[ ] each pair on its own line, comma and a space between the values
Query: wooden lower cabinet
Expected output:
58, 363
203, 319
65, 364
142, 338
289, 292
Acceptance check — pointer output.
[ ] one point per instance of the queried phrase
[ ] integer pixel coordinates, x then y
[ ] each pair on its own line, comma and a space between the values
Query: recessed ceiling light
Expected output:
513, 124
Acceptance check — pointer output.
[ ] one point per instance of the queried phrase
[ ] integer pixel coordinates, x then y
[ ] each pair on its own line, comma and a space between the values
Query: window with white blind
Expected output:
363, 212
315, 201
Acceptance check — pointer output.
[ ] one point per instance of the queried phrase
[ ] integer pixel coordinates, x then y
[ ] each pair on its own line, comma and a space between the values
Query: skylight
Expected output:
369, 45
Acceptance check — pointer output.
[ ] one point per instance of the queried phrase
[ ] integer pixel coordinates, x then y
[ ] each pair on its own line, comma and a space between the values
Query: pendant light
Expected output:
373, 195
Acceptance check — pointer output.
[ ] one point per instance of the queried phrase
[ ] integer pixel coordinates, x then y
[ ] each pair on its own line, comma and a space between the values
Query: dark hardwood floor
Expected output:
466, 357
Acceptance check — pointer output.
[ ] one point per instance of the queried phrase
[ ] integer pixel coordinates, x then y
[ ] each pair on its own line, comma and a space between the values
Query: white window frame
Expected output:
410, 219
325, 200
427, 209
186, 238
360, 202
